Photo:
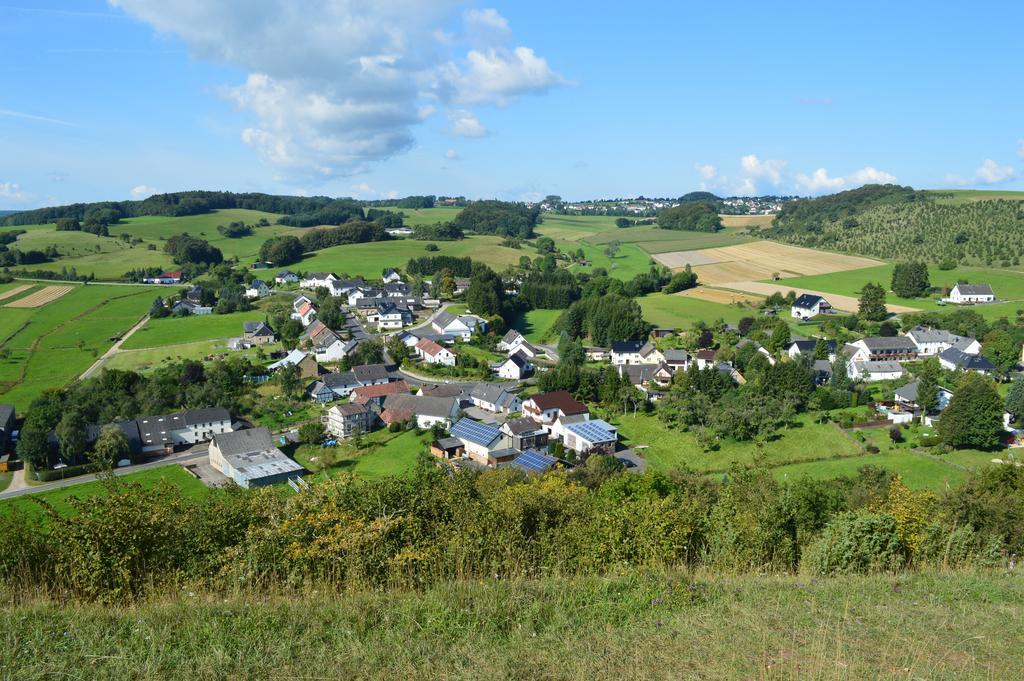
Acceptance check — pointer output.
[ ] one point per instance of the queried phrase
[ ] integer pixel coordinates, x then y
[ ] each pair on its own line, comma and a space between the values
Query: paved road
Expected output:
114, 349
197, 453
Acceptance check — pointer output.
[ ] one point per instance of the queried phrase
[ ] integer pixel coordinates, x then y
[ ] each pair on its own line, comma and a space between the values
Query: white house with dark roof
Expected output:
514, 368
969, 294
882, 349
635, 352
931, 342
432, 353
495, 399
870, 371
462, 326
957, 360
286, 277
346, 420
509, 340
809, 305
257, 289
317, 279
391, 276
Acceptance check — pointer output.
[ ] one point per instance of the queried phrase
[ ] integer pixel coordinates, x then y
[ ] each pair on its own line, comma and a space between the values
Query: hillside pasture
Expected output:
680, 312
146, 359
178, 330
53, 344
426, 216
955, 197
655, 240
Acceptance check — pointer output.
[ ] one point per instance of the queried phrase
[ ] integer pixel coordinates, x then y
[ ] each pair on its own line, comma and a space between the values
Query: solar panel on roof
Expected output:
474, 431
533, 461
593, 431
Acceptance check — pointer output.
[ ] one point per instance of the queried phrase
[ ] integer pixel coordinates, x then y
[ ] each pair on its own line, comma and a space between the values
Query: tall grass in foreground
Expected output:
646, 625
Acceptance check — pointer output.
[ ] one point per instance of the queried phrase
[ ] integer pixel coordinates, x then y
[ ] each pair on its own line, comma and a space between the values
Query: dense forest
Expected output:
498, 217
987, 233
692, 216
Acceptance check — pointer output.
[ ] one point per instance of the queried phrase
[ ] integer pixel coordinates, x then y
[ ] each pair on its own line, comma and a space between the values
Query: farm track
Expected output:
8, 385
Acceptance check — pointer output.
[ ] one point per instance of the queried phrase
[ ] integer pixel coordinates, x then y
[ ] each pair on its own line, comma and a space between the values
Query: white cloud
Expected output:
990, 172
142, 191
336, 85
820, 181
11, 193
768, 169
485, 21
706, 171
466, 124
452, 155
500, 76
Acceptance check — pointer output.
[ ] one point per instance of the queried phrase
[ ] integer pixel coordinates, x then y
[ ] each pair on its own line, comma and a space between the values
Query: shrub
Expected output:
855, 542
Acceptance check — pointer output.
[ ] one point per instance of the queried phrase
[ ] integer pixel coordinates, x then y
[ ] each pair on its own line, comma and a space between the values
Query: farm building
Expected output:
250, 458
167, 278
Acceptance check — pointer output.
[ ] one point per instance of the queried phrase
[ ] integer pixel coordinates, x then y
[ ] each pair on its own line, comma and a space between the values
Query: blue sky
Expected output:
114, 100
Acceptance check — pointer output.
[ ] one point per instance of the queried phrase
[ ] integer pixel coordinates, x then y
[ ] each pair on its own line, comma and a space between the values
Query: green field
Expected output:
1008, 285
51, 345
178, 330
427, 216
151, 358
371, 259
654, 240
58, 498
382, 454
643, 625
680, 312
628, 262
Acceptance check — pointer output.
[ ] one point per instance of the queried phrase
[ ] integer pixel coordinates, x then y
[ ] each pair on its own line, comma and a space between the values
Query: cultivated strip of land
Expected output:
844, 303
42, 297
14, 291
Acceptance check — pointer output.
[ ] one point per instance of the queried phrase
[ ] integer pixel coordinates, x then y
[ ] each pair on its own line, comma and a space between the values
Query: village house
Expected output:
525, 433
347, 420
313, 280
258, 333
495, 399
533, 462
432, 353
164, 432
970, 294
479, 439
514, 368
509, 340
372, 374
306, 314
648, 378
389, 316
677, 360
187, 307
761, 350
635, 352
424, 411
377, 393
595, 354
332, 386
286, 277
931, 342
808, 305
800, 348
705, 359
659, 332
391, 276
957, 360
257, 289
462, 327
593, 436
882, 349
250, 458
907, 396
546, 408
875, 370
308, 367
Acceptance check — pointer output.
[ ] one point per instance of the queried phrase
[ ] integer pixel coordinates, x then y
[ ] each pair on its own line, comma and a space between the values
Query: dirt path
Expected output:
17, 481
114, 349
844, 303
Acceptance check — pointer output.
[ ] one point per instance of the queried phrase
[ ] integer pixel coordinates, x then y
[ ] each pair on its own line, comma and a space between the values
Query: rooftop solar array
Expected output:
533, 461
593, 431
474, 431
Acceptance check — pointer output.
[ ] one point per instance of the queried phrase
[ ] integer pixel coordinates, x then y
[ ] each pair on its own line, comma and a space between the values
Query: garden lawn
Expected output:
371, 259
1008, 285
178, 330
382, 454
536, 324
59, 498
667, 449
680, 312
51, 345
146, 359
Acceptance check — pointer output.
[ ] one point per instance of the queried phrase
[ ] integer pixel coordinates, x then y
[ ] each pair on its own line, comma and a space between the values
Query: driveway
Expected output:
633, 462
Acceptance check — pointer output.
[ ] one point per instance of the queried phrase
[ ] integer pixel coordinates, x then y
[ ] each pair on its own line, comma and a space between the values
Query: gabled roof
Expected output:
975, 289
523, 425
882, 368
674, 356
517, 358
594, 430
490, 393
321, 275
441, 390
476, 432
257, 329
896, 343
208, 415
370, 373
706, 355
244, 441
429, 347
808, 346
626, 347
967, 362
349, 409
510, 336
339, 379
369, 392
561, 400
293, 357
807, 301
533, 461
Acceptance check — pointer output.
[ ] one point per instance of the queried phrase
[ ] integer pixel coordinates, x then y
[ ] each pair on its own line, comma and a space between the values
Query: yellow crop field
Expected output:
42, 296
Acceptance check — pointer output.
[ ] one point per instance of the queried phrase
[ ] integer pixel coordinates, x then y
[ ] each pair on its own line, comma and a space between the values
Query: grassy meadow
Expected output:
961, 196
646, 625
381, 454
536, 325
680, 312
51, 345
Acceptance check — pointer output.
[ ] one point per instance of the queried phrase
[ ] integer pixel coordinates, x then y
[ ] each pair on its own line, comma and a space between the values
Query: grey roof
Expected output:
975, 289
639, 373
449, 443
676, 355
523, 425
6, 414
510, 336
441, 390
898, 343
924, 334
807, 301
207, 415
441, 407
883, 367
444, 318
490, 393
807, 346
909, 391
823, 366
349, 409
369, 373
339, 379
257, 329
244, 441
967, 362
320, 275
517, 358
